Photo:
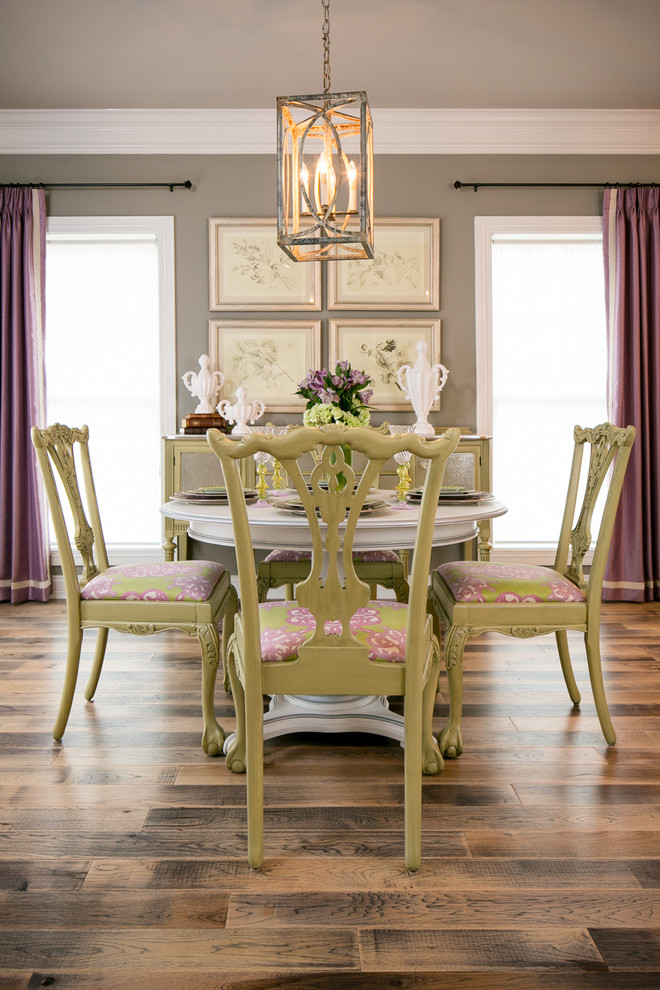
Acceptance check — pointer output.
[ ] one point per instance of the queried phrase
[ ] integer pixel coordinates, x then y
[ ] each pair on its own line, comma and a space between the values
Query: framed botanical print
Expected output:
269, 358
379, 349
247, 269
404, 273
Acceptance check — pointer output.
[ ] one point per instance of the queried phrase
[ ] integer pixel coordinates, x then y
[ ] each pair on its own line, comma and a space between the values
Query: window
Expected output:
541, 363
110, 360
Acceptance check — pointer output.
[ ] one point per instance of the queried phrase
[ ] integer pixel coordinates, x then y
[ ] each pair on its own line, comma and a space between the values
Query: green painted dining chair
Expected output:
469, 598
194, 597
378, 568
333, 640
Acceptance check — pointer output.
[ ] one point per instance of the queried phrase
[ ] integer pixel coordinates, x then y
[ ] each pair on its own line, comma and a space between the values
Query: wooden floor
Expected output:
122, 856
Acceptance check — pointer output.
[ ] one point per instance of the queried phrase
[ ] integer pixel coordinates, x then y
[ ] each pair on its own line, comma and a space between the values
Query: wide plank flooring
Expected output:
122, 849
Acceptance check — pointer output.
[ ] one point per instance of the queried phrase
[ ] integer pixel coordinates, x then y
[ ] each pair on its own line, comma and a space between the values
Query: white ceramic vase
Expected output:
204, 385
241, 412
421, 385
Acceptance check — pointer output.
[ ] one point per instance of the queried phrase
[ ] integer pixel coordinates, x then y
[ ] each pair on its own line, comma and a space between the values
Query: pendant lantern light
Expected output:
325, 171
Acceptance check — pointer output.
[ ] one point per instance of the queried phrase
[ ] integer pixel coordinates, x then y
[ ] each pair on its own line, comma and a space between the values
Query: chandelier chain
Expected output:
326, 45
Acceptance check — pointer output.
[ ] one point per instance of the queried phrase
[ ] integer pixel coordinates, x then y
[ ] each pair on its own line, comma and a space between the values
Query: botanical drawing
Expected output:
258, 359
387, 358
268, 358
381, 348
403, 274
247, 270
262, 264
390, 267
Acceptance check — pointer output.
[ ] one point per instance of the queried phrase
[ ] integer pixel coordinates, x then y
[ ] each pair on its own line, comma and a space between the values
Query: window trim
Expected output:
162, 227
485, 228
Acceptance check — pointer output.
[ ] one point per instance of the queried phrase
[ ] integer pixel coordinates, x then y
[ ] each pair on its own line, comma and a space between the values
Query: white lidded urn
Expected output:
204, 385
422, 385
241, 411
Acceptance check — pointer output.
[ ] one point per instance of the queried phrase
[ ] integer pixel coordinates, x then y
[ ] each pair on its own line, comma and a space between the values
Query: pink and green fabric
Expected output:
362, 556
177, 581
478, 581
380, 626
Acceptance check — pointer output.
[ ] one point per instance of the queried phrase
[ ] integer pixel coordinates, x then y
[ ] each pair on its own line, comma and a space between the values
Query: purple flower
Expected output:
344, 388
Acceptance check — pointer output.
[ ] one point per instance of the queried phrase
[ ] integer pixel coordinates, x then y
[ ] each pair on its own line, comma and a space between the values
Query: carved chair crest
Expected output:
605, 441
60, 442
333, 500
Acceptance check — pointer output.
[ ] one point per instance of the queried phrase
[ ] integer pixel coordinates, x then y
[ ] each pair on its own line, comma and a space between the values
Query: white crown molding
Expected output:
415, 131
518, 132
137, 132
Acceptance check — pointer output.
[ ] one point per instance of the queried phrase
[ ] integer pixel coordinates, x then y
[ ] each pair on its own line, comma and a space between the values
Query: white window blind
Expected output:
548, 367
103, 366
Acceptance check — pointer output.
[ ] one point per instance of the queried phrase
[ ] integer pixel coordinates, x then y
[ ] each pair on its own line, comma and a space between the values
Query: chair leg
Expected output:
70, 678
228, 618
451, 744
437, 629
263, 585
592, 644
254, 739
97, 664
213, 736
401, 590
412, 763
235, 760
566, 666
432, 758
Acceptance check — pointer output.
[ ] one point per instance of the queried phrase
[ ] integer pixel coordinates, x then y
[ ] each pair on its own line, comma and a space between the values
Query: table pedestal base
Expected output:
329, 713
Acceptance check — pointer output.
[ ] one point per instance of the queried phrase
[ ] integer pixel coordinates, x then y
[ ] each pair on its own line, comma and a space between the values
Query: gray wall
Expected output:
422, 185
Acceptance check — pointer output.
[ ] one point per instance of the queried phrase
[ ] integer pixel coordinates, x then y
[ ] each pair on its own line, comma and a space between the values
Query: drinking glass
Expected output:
402, 459
262, 460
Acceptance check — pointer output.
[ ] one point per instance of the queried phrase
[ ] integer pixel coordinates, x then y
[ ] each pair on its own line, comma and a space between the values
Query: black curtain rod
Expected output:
99, 185
555, 185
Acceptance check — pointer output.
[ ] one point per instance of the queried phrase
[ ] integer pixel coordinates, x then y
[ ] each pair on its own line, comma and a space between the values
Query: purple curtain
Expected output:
631, 241
24, 564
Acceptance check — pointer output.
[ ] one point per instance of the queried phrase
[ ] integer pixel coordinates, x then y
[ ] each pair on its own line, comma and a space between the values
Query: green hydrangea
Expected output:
339, 396
323, 412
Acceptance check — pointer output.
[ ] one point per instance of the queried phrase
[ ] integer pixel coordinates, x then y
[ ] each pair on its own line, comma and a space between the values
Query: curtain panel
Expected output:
24, 563
631, 241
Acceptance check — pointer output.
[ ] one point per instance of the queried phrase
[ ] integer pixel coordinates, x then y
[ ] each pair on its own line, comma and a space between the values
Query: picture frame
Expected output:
269, 358
379, 349
404, 273
249, 271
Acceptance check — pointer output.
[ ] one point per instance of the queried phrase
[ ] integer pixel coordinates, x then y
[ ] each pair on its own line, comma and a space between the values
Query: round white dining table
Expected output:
271, 527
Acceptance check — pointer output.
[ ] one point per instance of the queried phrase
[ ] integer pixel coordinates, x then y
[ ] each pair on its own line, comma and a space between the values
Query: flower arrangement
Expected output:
338, 396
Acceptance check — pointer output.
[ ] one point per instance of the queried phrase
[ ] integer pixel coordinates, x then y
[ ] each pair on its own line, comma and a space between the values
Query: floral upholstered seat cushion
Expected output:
381, 626
477, 581
363, 556
287, 556
178, 581
375, 556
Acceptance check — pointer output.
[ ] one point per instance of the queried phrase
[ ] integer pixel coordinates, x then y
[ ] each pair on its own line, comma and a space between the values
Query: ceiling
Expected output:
154, 54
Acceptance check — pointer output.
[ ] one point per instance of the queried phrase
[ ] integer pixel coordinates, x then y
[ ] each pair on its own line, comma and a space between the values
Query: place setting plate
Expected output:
371, 504
211, 495
451, 495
